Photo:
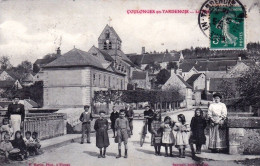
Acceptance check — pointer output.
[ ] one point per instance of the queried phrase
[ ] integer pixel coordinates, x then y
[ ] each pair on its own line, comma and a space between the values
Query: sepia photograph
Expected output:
129, 82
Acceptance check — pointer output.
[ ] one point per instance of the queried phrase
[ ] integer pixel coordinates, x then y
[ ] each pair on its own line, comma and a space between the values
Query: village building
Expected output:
176, 82
163, 59
140, 80
71, 79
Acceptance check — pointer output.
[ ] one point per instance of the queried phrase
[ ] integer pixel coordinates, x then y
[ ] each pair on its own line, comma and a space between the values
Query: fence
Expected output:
45, 124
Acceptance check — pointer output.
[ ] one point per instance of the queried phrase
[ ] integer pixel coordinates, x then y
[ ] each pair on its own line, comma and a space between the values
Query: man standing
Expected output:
148, 115
16, 115
86, 118
130, 117
113, 116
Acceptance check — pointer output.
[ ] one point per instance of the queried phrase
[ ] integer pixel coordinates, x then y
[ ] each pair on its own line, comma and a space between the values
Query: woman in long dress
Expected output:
16, 115
217, 114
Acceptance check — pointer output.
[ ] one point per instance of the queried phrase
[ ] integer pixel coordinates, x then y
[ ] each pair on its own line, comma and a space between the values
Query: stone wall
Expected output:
244, 135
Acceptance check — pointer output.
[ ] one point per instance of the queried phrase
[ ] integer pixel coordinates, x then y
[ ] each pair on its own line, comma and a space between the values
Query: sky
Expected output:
30, 29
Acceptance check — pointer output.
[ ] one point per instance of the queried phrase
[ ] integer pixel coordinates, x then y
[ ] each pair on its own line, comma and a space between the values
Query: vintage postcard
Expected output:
129, 82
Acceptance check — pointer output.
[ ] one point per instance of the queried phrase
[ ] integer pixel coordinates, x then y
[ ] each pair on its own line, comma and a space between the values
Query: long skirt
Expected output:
16, 123
217, 137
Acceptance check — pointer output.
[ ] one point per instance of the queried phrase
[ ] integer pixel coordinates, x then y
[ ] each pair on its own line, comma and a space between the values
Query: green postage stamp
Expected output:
227, 28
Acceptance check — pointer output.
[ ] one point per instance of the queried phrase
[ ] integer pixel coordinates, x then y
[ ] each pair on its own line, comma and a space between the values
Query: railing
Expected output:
47, 125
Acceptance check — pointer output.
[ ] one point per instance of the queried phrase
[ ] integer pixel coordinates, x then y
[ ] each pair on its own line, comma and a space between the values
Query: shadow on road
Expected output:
95, 154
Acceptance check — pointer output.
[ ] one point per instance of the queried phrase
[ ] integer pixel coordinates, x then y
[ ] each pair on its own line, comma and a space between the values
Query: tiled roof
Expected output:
76, 57
138, 75
157, 57
210, 65
184, 82
7, 84
79, 58
112, 30
114, 53
193, 78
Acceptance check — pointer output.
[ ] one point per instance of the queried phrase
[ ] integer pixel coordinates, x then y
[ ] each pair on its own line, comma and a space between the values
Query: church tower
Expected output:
109, 39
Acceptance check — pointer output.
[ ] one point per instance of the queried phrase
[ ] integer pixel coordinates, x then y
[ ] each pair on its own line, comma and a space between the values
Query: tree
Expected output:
5, 62
162, 76
249, 86
172, 65
152, 67
25, 67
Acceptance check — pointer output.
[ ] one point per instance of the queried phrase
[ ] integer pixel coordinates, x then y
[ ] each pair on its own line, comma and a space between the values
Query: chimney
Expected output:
166, 51
58, 51
143, 50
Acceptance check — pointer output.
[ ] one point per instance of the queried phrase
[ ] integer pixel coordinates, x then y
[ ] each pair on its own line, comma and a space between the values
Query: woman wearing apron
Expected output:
16, 115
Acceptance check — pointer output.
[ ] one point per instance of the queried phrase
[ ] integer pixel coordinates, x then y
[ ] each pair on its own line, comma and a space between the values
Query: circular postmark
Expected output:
206, 9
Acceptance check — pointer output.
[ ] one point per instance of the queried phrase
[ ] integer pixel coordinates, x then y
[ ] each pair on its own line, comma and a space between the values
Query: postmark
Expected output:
204, 12
227, 27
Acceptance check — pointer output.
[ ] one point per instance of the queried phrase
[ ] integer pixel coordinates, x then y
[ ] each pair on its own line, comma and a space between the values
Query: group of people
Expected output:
185, 134
18, 148
12, 143
122, 128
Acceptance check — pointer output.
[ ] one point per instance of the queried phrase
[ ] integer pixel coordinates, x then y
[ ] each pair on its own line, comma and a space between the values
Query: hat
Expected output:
86, 106
147, 106
217, 95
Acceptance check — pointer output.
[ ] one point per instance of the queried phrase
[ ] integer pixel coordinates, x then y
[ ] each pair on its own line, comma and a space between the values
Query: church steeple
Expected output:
109, 39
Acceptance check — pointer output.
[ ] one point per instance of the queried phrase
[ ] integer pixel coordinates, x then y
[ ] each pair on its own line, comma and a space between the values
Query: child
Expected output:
168, 137
29, 142
113, 116
6, 147
102, 140
182, 135
19, 143
198, 125
86, 118
6, 128
122, 128
156, 130
36, 142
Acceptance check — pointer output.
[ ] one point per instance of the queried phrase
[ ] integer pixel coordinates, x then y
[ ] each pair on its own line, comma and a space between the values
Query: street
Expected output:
76, 154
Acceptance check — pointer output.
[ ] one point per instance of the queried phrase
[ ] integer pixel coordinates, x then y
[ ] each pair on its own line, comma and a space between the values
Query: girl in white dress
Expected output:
182, 136
168, 137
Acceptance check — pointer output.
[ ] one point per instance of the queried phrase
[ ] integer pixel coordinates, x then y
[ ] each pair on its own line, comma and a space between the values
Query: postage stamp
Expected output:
227, 27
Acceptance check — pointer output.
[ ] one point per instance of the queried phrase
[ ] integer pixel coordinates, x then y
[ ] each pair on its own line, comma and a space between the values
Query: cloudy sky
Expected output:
30, 29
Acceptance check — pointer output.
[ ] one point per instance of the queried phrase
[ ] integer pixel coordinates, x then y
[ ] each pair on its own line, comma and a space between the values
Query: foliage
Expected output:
249, 86
135, 96
25, 67
162, 76
172, 65
5, 62
229, 89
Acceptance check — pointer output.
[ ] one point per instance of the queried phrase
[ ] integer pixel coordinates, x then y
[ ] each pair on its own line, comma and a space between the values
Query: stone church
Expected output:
71, 80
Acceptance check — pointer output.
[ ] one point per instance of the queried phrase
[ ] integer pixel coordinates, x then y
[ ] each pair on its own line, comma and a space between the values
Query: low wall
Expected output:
244, 134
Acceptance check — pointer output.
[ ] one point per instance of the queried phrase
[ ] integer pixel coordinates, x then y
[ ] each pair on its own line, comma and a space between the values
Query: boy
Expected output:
36, 142
86, 118
122, 128
6, 127
29, 142
6, 147
113, 116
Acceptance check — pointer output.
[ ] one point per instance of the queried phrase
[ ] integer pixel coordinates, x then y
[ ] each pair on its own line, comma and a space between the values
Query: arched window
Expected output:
110, 45
105, 46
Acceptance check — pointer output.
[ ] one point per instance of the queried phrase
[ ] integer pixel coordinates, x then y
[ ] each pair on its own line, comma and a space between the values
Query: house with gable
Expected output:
140, 79
178, 83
